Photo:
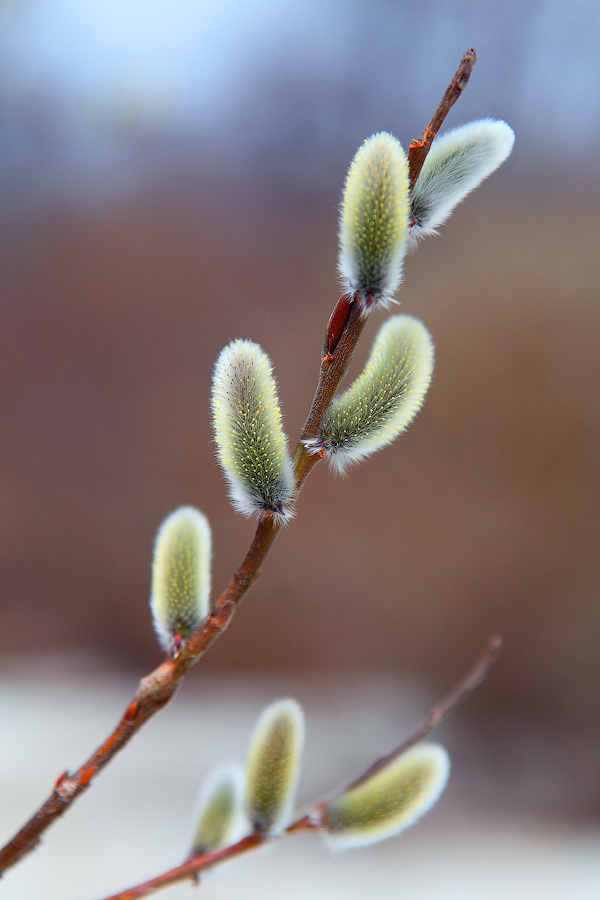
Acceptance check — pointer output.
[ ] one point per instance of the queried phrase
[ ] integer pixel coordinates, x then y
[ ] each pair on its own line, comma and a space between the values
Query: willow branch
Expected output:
311, 821
455, 698
418, 150
190, 870
156, 689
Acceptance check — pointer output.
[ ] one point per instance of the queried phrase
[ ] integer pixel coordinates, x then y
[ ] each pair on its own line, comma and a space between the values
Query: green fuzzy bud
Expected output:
251, 444
389, 801
219, 813
273, 765
374, 220
383, 400
456, 164
180, 597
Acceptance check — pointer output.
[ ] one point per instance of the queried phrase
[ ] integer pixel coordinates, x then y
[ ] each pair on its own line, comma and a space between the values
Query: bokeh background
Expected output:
170, 177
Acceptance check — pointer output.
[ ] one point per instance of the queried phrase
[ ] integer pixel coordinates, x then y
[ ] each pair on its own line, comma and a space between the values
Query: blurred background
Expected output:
170, 174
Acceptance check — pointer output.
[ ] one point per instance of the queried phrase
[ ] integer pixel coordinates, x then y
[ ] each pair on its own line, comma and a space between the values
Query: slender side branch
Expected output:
156, 689
310, 821
459, 693
418, 150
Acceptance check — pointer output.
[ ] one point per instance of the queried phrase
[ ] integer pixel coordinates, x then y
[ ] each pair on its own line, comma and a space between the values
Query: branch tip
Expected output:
419, 148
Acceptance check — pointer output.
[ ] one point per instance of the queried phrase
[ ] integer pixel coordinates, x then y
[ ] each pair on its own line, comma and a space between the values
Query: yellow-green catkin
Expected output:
251, 444
180, 596
456, 164
374, 220
273, 765
219, 818
383, 400
389, 801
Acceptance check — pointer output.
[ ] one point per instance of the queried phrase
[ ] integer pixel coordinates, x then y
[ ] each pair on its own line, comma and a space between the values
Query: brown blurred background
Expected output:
146, 223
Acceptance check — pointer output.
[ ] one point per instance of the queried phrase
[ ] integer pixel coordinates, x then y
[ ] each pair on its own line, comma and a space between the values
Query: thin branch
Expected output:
156, 689
418, 150
457, 696
191, 869
311, 821
333, 368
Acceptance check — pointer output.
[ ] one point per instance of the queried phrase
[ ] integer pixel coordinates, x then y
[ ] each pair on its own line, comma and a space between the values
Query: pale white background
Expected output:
479, 843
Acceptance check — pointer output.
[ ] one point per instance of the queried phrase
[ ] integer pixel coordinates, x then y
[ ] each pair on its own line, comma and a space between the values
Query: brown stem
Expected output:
156, 689
418, 150
312, 820
333, 368
459, 693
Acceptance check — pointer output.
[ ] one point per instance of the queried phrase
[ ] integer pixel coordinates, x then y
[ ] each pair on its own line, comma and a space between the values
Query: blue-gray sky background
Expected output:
98, 95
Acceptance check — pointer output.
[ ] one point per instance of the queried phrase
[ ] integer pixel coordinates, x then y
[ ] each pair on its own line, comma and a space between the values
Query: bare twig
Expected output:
156, 689
459, 693
192, 868
418, 150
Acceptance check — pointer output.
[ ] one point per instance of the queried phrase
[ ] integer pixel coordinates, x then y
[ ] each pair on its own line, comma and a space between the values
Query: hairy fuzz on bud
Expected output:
180, 596
389, 801
219, 818
251, 444
374, 220
456, 164
273, 765
383, 400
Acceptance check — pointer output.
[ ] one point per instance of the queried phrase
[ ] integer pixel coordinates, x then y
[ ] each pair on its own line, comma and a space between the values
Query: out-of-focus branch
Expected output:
310, 821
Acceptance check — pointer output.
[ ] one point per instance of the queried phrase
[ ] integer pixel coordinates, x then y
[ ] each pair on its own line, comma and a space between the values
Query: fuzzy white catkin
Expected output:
251, 444
180, 595
456, 164
389, 801
274, 765
385, 397
218, 818
374, 220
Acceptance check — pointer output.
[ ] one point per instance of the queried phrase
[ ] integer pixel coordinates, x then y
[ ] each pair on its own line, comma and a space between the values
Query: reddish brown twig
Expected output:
418, 150
156, 689
191, 869
459, 693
